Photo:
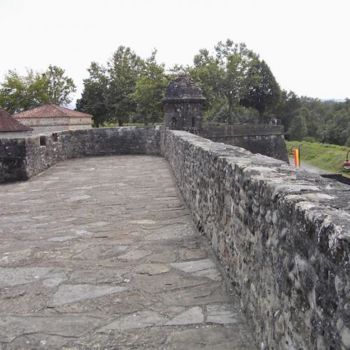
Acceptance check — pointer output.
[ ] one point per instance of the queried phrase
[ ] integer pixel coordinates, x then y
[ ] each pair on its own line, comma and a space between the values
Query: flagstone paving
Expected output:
101, 253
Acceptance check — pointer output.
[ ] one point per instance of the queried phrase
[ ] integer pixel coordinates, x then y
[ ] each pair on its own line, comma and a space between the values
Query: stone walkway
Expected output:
100, 253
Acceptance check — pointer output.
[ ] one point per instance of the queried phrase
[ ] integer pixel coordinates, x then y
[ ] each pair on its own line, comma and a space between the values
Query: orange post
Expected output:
296, 157
295, 161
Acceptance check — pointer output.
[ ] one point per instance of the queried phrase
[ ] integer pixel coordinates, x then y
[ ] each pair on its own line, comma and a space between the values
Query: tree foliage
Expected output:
126, 87
233, 77
239, 88
123, 70
322, 121
149, 91
261, 90
18, 93
93, 100
298, 127
209, 75
58, 86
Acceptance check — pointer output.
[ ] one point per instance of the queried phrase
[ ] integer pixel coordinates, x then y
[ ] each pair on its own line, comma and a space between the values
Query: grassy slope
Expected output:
324, 156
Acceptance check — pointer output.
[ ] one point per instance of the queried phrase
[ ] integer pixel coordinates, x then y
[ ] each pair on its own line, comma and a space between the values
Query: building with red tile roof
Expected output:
10, 124
50, 118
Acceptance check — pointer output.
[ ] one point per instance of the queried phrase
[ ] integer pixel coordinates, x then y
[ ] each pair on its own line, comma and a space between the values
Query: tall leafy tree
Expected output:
298, 128
123, 70
93, 98
287, 108
235, 60
225, 77
19, 92
149, 91
58, 87
126, 87
261, 90
209, 75
337, 128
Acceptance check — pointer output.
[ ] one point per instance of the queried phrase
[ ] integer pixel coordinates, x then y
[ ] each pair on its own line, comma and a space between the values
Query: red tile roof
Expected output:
50, 111
10, 124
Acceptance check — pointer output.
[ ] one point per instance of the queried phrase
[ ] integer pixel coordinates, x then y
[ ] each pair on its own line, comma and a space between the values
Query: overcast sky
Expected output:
305, 42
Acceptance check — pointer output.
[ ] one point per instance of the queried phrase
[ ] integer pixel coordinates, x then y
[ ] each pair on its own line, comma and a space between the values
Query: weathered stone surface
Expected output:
98, 276
221, 313
183, 104
172, 232
207, 338
68, 293
22, 275
200, 268
152, 269
191, 316
135, 254
63, 326
61, 238
85, 274
196, 294
24, 157
257, 138
281, 234
141, 319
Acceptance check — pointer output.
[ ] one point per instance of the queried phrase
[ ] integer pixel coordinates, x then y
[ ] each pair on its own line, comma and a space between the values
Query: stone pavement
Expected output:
100, 253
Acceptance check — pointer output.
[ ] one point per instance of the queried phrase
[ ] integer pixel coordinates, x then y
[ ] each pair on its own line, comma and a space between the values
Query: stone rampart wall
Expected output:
282, 236
12, 159
222, 130
21, 158
257, 138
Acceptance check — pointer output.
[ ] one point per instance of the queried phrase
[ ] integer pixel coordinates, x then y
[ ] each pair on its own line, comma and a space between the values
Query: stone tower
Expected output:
183, 103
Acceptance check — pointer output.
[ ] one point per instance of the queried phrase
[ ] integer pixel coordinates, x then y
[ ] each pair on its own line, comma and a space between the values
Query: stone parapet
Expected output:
12, 159
22, 158
257, 138
227, 130
282, 236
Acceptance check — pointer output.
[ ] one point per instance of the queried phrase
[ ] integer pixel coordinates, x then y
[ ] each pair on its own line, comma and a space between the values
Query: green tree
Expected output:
149, 91
232, 79
18, 93
127, 86
235, 59
287, 108
298, 129
93, 98
221, 77
58, 86
337, 128
207, 73
261, 90
123, 71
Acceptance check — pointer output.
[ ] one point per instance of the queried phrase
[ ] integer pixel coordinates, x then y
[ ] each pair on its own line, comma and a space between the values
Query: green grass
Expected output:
322, 155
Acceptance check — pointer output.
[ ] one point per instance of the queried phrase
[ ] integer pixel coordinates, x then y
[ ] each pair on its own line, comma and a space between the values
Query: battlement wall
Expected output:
22, 158
282, 235
257, 138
